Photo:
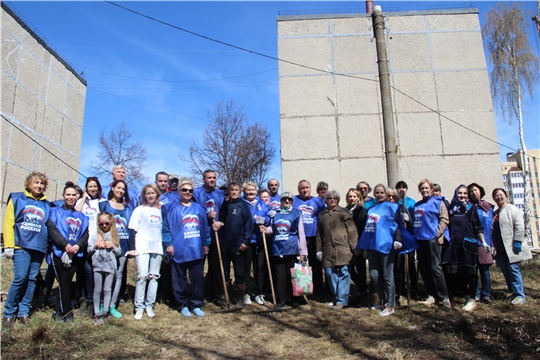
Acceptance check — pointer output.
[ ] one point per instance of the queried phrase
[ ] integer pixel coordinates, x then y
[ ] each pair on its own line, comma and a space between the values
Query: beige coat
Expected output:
336, 236
513, 229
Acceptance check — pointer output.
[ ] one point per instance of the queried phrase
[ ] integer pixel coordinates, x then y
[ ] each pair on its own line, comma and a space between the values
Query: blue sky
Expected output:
161, 82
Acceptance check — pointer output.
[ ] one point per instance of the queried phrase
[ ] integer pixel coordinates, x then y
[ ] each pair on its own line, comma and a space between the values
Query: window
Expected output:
505, 177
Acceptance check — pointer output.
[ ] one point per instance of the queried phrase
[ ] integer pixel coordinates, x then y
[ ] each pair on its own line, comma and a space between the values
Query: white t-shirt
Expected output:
147, 222
91, 209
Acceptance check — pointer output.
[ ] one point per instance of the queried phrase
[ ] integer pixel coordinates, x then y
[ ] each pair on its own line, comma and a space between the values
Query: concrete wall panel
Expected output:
410, 52
458, 140
300, 96
58, 68
410, 125
352, 25
56, 93
415, 168
464, 90
353, 54
358, 96
372, 170
360, 136
8, 94
474, 168
312, 52
303, 27
418, 85
308, 138
20, 148
454, 22
11, 49
70, 135
74, 106
33, 46
406, 23
9, 24
311, 170
25, 106
457, 50
29, 69
52, 130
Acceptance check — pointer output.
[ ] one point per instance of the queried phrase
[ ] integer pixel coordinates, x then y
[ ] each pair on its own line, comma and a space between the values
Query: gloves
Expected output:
516, 247
486, 247
405, 217
319, 255
397, 245
66, 260
493, 251
272, 213
8, 253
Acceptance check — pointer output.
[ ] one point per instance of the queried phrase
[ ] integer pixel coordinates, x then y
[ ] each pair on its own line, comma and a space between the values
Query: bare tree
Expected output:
236, 150
117, 148
515, 70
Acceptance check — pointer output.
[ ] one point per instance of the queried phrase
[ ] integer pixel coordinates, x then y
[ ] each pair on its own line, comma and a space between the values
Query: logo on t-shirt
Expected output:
418, 216
155, 221
283, 227
371, 223
74, 226
210, 205
307, 213
33, 218
121, 227
191, 226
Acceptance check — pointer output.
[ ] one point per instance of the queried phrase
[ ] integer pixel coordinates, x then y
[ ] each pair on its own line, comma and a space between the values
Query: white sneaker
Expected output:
247, 299
138, 314
150, 312
259, 299
386, 312
446, 304
429, 301
470, 305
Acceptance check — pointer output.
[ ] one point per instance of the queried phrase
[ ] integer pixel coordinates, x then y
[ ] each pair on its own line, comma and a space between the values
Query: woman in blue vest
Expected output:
118, 205
430, 219
187, 244
486, 252
255, 253
288, 242
25, 241
461, 258
381, 240
67, 253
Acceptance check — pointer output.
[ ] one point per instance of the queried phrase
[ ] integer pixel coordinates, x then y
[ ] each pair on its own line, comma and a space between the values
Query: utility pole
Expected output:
390, 144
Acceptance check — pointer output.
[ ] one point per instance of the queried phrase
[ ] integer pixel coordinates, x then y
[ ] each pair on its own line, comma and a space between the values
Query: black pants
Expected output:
165, 292
238, 259
64, 277
358, 273
212, 283
429, 264
316, 265
179, 283
255, 256
281, 268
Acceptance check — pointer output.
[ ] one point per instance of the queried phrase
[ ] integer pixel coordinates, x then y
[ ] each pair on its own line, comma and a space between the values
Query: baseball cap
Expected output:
173, 177
287, 194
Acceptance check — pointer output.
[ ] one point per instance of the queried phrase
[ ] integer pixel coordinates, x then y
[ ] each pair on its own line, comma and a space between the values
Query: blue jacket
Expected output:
238, 223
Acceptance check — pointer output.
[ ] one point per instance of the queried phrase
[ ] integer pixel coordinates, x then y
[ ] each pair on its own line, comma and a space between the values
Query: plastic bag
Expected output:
302, 279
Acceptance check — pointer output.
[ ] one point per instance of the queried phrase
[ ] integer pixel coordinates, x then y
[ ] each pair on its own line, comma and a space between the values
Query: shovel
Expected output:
228, 307
275, 308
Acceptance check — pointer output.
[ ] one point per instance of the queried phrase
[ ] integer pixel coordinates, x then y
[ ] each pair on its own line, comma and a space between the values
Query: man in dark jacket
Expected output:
235, 219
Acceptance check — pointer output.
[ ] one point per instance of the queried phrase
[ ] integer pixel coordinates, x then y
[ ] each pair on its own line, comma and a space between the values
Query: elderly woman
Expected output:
355, 205
381, 240
288, 242
429, 222
508, 237
335, 242
322, 188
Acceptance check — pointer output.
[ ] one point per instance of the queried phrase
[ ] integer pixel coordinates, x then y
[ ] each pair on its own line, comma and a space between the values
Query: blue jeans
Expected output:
381, 271
339, 281
26, 264
148, 266
512, 274
483, 291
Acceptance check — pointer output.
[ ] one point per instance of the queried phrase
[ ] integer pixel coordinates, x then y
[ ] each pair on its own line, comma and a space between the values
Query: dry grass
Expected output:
314, 331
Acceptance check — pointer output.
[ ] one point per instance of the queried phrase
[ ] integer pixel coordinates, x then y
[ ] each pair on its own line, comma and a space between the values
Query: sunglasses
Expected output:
104, 223
187, 190
287, 199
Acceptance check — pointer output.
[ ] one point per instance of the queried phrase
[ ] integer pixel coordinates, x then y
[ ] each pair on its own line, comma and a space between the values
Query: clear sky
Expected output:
161, 81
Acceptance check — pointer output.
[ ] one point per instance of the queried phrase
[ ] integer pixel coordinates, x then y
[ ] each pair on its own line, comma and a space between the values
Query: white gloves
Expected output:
405, 217
319, 255
8, 253
397, 245
66, 260
272, 213
486, 247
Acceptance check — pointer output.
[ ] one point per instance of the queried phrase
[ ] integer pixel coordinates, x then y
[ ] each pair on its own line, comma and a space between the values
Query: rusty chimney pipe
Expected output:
369, 7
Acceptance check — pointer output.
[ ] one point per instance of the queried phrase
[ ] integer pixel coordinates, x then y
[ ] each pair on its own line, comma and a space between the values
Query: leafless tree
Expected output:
117, 148
232, 147
515, 71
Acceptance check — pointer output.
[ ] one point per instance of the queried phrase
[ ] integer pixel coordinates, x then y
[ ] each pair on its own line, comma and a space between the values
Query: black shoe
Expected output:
57, 316
7, 324
240, 299
281, 305
24, 319
68, 318
295, 305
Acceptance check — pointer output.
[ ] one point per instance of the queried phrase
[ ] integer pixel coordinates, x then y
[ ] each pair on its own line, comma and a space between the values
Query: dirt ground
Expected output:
313, 331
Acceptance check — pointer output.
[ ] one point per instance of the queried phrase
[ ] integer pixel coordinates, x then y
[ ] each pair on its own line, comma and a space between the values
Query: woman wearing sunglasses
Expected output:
147, 222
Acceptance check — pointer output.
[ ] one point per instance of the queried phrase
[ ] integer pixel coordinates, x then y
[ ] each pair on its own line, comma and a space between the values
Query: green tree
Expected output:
515, 71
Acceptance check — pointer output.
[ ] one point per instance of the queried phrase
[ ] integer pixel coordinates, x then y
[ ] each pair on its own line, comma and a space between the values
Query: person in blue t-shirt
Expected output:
364, 189
275, 199
119, 173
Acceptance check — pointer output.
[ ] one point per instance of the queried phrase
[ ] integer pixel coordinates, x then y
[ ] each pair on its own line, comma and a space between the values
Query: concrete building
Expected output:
42, 108
330, 107
513, 182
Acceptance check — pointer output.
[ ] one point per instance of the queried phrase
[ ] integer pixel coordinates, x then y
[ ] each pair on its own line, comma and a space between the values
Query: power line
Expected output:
43, 147
181, 88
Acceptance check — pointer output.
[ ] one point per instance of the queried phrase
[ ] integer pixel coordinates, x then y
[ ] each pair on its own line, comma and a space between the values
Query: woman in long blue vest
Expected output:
288, 242
118, 205
430, 219
67, 253
381, 240
25, 241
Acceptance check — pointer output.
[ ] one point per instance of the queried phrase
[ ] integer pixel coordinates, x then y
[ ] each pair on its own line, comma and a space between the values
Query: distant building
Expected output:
331, 125
42, 110
513, 182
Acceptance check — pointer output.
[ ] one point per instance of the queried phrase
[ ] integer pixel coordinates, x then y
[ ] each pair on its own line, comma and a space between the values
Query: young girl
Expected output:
105, 250
146, 220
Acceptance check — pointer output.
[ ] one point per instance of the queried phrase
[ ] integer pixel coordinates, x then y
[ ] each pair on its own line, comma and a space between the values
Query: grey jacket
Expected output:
513, 229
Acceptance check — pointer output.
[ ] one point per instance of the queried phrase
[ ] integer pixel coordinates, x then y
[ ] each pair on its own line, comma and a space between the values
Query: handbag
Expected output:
302, 279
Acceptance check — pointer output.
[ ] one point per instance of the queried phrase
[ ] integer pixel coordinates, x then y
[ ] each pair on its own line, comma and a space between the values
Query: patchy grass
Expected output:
499, 331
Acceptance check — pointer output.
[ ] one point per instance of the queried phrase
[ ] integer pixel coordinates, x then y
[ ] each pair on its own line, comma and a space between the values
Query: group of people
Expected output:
172, 227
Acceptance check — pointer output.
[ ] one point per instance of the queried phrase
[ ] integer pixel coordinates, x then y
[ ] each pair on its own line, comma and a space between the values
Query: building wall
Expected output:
331, 125
42, 108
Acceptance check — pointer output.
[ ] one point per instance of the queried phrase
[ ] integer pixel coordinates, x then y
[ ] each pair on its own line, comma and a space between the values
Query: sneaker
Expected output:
247, 299
115, 313
98, 320
185, 311
518, 300
470, 305
150, 312
198, 312
338, 307
429, 301
446, 304
376, 306
138, 314
331, 303
387, 312
259, 299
